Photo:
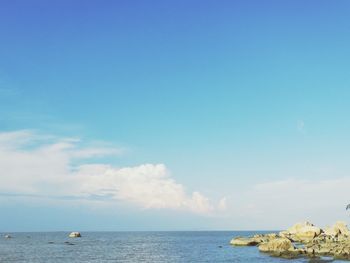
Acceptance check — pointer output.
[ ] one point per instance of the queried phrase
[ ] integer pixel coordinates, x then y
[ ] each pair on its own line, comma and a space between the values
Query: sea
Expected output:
177, 246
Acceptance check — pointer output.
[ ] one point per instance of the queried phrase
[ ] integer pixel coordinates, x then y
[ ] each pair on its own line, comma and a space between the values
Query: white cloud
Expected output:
148, 185
222, 204
31, 164
15, 139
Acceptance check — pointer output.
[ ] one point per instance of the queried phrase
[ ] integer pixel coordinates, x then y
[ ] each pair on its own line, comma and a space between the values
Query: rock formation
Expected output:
303, 240
75, 234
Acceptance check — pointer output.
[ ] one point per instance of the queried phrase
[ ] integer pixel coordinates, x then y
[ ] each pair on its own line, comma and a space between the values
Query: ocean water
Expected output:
193, 246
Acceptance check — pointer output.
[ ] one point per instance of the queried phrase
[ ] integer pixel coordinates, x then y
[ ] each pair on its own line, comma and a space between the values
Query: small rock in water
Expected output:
244, 241
75, 234
8, 236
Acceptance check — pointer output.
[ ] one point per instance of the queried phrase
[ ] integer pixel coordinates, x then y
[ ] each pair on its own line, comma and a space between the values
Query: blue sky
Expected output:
225, 94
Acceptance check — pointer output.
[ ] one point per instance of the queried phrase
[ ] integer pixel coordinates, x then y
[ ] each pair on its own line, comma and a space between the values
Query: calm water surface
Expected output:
130, 247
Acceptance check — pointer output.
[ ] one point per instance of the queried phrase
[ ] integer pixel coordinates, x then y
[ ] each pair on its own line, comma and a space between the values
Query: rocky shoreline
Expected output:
302, 240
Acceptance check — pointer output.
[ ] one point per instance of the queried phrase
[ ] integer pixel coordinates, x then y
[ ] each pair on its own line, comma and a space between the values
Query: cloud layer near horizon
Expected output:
280, 204
38, 165
50, 167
